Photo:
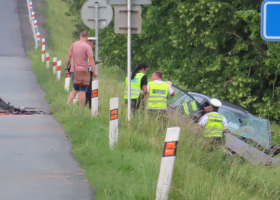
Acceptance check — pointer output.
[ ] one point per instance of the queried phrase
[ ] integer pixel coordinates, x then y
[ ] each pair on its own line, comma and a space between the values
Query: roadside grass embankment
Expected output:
130, 171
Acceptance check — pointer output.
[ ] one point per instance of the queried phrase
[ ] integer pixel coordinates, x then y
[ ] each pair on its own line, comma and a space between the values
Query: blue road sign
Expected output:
270, 21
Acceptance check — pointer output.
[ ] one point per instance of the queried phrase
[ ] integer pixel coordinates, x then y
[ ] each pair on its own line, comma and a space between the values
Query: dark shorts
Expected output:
78, 88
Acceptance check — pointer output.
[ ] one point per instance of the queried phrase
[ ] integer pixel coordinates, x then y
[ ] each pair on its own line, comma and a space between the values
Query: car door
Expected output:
184, 104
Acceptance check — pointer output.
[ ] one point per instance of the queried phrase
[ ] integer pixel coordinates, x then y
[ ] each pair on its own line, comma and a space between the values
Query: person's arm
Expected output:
145, 90
147, 94
171, 90
173, 93
202, 122
225, 125
92, 64
144, 82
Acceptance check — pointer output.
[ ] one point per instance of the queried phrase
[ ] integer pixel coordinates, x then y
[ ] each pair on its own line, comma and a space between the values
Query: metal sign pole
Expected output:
129, 57
96, 35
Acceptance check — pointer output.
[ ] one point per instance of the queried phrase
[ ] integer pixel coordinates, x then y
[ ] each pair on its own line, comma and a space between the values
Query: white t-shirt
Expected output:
170, 90
204, 120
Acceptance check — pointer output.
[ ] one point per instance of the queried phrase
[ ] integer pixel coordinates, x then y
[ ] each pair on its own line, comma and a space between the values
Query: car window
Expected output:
247, 126
184, 102
198, 98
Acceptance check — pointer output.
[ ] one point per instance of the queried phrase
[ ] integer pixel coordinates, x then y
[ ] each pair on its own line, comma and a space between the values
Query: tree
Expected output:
209, 46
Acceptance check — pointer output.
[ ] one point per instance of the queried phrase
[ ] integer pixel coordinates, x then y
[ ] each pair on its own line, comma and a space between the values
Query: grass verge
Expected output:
131, 170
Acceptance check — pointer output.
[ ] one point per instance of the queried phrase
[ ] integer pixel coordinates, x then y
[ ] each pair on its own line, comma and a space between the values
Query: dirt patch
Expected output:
39, 7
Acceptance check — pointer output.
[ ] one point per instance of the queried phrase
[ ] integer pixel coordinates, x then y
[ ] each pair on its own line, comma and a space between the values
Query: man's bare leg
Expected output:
72, 96
82, 99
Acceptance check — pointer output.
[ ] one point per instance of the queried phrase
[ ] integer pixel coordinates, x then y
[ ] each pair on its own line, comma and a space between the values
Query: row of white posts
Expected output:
33, 23
172, 135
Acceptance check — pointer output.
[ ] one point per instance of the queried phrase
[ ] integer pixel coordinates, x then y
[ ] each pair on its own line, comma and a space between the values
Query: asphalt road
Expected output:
35, 155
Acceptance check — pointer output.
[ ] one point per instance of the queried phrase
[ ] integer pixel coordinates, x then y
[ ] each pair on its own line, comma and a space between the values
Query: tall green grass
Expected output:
130, 171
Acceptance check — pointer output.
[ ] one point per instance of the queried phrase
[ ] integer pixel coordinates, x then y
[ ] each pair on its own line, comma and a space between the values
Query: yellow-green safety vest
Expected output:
135, 86
214, 126
186, 108
158, 93
89, 63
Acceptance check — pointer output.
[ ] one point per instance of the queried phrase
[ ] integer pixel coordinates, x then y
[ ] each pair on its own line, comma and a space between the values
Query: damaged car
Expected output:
249, 135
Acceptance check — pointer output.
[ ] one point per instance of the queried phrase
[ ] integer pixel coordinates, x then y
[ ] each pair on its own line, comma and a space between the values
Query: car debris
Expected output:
8, 109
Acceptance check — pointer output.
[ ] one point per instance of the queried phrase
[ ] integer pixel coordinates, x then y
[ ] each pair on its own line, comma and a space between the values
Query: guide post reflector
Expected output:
167, 163
114, 122
48, 60
54, 65
58, 73
43, 52
94, 98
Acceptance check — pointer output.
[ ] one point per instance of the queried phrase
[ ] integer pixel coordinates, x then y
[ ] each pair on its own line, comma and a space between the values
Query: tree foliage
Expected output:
209, 46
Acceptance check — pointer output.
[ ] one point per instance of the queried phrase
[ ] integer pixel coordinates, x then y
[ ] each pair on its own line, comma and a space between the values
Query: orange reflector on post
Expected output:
94, 93
170, 149
54, 64
43, 52
68, 75
58, 68
113, 114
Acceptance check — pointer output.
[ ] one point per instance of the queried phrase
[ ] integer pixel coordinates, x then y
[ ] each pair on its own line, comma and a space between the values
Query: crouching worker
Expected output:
138, 86
214, 123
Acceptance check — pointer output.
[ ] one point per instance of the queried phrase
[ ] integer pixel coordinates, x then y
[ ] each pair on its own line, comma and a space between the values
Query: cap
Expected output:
216, 102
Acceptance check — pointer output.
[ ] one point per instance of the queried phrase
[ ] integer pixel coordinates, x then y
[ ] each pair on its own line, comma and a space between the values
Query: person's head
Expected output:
216, 104
84, 36
142, 67
157, 75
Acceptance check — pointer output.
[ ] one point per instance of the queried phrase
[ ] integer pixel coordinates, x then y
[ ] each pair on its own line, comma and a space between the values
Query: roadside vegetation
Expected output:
130, 171
208, 46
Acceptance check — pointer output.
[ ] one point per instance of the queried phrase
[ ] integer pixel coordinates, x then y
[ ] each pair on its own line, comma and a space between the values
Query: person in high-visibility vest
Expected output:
213, 122
158, 91
138, 86
186, 107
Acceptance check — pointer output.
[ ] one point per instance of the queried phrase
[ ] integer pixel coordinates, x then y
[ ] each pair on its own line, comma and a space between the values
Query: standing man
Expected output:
89, 90
80, 52
214, 123
158, 91
138, 85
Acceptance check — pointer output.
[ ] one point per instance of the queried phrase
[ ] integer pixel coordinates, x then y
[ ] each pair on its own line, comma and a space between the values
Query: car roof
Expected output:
224, 103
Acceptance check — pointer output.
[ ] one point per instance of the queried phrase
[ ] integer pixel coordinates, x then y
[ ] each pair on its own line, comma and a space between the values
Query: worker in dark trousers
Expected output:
89, 92
139, 82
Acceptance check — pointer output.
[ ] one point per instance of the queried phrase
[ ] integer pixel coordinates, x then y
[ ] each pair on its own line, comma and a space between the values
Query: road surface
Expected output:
36, 162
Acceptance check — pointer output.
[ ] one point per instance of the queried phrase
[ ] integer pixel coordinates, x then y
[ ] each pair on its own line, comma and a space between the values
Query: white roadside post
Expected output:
38, 37
48, 60
43, 53
33, 15
94, 98
58, 73
167, 163
54, 65
114, 122
35, 23
76, 98
67, 82
30, 5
